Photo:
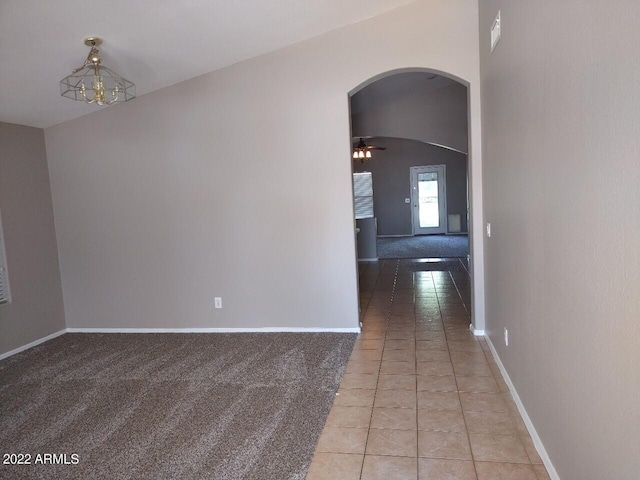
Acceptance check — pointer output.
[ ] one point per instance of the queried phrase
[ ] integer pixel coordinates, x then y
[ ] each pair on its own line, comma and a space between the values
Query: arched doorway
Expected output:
421, 118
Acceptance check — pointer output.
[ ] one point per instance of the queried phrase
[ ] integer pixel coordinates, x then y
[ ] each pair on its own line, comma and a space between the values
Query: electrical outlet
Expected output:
218, 302
506, 337
488, 230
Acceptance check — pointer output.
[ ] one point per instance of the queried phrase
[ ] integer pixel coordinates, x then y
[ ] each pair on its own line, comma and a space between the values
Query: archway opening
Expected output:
411, 195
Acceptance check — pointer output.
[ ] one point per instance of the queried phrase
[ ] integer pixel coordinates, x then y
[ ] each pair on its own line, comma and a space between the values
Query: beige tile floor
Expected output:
421, 398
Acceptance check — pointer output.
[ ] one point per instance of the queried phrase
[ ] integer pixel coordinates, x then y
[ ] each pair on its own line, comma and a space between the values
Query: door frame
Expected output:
445, 218
476, 218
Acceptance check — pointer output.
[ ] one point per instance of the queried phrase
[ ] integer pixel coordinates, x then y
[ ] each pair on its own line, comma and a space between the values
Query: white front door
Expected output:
428, 200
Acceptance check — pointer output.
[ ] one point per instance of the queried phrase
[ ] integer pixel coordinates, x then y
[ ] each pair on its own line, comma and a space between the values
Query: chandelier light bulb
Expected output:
107, 87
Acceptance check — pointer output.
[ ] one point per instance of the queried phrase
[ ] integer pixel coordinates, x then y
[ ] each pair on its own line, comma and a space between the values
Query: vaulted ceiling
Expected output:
154, 43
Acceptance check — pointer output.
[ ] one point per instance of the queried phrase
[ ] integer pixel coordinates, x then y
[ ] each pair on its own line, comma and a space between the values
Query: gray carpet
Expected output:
171, 406
423, 246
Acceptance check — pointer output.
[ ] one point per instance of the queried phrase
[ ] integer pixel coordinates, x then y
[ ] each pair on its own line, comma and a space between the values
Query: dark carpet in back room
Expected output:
168, 406
423, 246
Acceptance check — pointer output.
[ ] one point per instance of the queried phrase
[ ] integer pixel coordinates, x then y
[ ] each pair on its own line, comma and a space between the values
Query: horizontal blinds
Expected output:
363, 195
4, 284
364, 207
362, 184
4, 290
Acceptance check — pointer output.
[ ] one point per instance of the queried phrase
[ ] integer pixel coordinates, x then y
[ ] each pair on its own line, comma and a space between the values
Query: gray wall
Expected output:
431, 115
36, 309
238, 183
391, 181
561, 112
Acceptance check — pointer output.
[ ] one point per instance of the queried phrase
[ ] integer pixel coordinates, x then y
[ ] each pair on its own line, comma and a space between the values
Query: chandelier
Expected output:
94, 83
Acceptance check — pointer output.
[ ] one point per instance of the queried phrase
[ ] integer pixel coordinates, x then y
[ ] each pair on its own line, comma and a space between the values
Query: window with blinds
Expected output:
363, 195
4, 281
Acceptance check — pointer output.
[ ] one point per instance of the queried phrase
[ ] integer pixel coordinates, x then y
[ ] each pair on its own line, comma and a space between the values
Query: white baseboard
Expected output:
553, 474
215, 330
368, 259
477, 333
32, 344
178, 330
396, 236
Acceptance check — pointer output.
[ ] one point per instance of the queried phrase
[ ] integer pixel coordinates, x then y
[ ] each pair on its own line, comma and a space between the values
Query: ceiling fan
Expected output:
361, 150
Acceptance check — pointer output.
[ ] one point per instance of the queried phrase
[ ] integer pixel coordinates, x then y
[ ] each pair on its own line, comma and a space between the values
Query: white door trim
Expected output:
413, 173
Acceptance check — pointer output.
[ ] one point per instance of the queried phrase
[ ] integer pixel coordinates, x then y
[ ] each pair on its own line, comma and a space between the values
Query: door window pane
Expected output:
429, 212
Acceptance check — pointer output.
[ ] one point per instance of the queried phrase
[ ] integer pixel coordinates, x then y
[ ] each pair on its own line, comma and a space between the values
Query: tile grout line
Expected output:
455, 379
415, 360
384, 341
376, 389
466, 308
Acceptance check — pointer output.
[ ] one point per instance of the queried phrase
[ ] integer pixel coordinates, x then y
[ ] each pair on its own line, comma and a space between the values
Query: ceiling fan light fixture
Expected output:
362, 151
94, 83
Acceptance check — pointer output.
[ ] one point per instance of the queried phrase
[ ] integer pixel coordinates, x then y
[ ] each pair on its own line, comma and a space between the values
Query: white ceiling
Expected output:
153, 43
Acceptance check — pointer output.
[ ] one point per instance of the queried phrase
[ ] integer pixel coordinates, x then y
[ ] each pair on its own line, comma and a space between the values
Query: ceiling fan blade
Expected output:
361, 145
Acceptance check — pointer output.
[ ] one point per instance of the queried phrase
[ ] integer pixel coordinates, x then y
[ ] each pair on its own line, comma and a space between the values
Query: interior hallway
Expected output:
422, 398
